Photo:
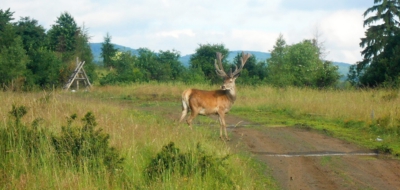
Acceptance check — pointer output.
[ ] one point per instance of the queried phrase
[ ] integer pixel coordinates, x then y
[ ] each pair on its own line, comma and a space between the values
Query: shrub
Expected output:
85, 146
17, 137
170, 160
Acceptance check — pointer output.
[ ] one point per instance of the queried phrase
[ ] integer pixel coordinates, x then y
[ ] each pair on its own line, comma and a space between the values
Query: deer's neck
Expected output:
231, 94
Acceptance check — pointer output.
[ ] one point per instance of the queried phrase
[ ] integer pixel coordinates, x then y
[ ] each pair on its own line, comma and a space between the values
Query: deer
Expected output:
217, 102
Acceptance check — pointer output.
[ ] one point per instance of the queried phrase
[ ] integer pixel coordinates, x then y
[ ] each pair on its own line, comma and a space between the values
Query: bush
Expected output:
85, 146
170, 160
18, 137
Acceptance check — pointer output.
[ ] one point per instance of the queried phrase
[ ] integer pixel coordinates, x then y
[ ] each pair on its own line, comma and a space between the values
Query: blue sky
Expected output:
252, 25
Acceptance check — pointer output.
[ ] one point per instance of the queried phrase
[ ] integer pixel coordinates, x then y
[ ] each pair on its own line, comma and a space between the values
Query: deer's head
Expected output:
229, 80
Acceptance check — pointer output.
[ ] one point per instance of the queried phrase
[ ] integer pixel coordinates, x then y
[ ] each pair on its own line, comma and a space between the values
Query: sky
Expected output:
247, 25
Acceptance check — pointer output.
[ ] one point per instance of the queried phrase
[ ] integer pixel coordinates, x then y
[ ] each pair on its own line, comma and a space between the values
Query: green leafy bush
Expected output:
85, 146
170, 160
17, 137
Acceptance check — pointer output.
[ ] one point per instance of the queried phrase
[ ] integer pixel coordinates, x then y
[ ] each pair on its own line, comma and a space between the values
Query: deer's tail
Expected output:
185, 103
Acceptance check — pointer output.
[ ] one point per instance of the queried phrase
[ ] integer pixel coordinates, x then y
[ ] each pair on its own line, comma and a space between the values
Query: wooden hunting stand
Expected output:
79, 74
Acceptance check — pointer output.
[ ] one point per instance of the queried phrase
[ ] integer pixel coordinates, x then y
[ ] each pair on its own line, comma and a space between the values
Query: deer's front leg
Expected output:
222, 126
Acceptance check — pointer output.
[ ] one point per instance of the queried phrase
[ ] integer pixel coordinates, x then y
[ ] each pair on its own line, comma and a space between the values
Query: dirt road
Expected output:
305, 159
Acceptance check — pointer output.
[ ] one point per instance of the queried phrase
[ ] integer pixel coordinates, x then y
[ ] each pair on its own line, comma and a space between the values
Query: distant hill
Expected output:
96, 50
343, 69
260, 56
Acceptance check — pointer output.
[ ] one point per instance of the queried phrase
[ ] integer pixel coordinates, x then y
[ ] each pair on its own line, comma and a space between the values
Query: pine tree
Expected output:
108, 51
380, 64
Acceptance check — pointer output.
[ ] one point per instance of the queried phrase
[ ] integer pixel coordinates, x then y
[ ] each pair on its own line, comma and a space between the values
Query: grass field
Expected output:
47, 143
53, 139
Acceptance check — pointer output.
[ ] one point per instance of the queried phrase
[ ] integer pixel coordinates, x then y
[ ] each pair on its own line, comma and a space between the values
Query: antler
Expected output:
218, 66
220, 70
243, 61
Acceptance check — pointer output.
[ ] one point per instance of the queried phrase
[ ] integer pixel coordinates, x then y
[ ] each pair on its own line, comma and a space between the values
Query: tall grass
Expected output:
363, 105
137, 135
357, 115
360, 116
140, 120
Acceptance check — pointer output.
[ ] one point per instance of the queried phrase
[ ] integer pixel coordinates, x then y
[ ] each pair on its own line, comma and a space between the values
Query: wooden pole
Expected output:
77, 85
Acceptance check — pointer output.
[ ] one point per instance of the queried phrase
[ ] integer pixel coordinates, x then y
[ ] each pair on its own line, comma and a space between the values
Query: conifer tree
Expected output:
381, 53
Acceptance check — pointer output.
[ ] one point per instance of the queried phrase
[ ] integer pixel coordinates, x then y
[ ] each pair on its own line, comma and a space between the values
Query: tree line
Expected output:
32, 58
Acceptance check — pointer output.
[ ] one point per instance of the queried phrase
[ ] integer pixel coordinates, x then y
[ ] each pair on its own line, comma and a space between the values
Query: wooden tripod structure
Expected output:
79, 74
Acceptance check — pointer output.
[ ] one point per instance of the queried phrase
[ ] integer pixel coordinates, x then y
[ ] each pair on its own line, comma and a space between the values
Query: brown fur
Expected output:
217, 102
203, 102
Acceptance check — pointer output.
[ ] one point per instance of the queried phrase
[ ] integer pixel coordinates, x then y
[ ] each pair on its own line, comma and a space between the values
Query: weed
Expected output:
19, 137
303, 126
390, 96
18, 113
80, 146
326, 160
171, 160
384, 148
353, 124
328, 132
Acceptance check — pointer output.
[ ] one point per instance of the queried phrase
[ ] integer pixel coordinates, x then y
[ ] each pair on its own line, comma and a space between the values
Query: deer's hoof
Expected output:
224, 139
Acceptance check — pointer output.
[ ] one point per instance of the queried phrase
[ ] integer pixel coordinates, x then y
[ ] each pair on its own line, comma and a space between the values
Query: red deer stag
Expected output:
217, 102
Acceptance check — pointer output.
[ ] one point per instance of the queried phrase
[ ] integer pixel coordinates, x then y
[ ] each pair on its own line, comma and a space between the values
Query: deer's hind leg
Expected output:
185, 110
193, 114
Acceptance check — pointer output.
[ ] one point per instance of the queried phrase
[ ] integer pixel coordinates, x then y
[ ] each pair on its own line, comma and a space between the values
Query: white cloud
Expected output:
176, 33
343, 30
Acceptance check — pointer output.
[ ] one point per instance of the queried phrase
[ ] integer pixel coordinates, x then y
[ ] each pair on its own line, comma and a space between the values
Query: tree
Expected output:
7, 31
126, 70
107, 51
13, 57
62, 35
147, 63
44, 69
304, 62
84, 53
380, 64
33, 35
204, 57
300, 65
328, 75
70, 42
276, 64
253, 72
170, 61
13, 61
5, 18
